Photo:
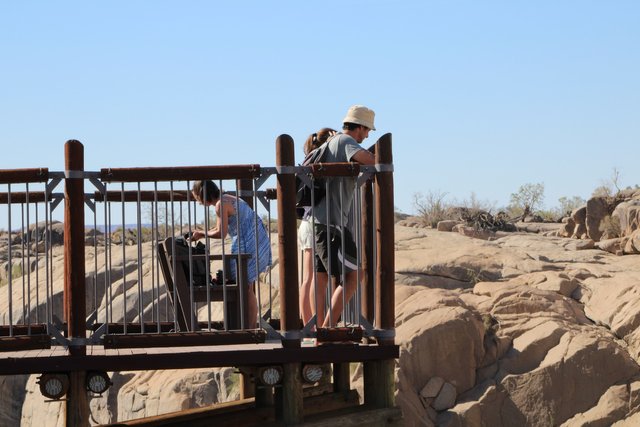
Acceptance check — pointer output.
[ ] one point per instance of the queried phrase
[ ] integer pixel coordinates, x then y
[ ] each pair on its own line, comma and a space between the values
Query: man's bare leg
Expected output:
319, 297
338, 298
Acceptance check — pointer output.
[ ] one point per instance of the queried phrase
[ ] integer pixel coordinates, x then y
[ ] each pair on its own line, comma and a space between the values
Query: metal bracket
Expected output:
88, 200
272, 334
265, 174
368, 327
96, 337
365, 176
99, 185
55, 200
384, 167
384, 333
306, 331
92, 318
285, 170
291, 335
57, 335
51, 185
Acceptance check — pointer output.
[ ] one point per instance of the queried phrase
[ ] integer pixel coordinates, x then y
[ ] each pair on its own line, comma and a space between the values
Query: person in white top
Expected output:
306, 235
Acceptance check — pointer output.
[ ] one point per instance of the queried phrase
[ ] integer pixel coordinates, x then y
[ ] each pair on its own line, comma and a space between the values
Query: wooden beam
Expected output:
31, 362
182, 339
27, 342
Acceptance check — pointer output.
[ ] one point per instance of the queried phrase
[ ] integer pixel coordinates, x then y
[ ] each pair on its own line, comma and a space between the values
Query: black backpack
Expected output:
304, 187
198, 265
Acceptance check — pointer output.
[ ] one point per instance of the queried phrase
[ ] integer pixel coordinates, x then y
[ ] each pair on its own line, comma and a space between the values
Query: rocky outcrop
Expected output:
542, 332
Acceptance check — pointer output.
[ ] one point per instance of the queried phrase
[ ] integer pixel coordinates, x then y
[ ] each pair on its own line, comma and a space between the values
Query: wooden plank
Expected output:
27, 342
350, 334
14, 330
22, 197
184, 339
360, 416
239, 413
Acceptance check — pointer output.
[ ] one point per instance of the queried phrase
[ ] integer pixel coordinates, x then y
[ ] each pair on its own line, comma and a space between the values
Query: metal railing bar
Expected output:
140, 263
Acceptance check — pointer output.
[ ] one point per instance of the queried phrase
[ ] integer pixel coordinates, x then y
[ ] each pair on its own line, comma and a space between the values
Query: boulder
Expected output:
446, 225
628, 214
610, 245
597, 210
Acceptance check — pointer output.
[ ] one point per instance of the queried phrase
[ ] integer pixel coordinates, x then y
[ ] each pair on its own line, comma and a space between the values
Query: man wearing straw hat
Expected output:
334, 220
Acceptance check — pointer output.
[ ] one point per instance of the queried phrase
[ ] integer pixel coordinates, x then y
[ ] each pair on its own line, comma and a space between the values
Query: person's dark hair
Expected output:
315, 140
206, 191
351, 126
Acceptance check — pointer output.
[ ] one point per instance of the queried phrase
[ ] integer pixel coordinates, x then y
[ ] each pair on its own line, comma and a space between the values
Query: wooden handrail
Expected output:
20, 176
186, 173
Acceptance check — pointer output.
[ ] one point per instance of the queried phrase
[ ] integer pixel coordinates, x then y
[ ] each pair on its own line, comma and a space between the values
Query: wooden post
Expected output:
341, 378
77, 403
385, 238
287, 243
291, 394
379, 375
245, 186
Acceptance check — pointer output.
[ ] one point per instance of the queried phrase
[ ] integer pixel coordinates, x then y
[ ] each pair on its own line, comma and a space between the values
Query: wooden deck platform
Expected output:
58, 359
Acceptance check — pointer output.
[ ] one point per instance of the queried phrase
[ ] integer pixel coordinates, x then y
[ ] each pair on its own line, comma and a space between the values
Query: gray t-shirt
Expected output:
340, 148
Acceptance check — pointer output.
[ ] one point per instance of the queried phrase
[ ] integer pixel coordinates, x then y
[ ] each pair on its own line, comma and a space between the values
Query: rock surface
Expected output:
528, 329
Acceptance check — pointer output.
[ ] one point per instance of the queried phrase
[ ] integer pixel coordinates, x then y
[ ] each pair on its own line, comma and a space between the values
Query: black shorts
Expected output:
331, 249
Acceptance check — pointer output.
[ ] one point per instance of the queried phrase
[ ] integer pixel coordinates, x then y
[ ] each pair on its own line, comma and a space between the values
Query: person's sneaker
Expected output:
309, 342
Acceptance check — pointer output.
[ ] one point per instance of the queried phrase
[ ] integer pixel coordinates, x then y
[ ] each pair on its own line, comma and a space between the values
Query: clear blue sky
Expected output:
480, 96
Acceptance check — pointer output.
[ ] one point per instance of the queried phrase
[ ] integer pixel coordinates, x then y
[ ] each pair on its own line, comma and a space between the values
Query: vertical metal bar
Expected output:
367, 251
166, 234
207, 248
193, 320
343, 274
329, 289
241, 244
257, 260
108, 292
37, 267
221, 227
124, 261
313, 257
270, 281
22, 271
28, 218
287, 247
155, 266
140, 261
357, 228
10, 263
173, 259
48, 308
95, 259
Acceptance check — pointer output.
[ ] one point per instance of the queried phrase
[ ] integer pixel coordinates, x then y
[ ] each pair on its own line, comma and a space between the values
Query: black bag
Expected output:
198, 265
303, 190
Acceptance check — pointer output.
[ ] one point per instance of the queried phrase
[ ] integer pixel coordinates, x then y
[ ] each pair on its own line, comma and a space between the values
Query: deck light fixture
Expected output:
312, 373
270, 375
53, 386
98, 382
